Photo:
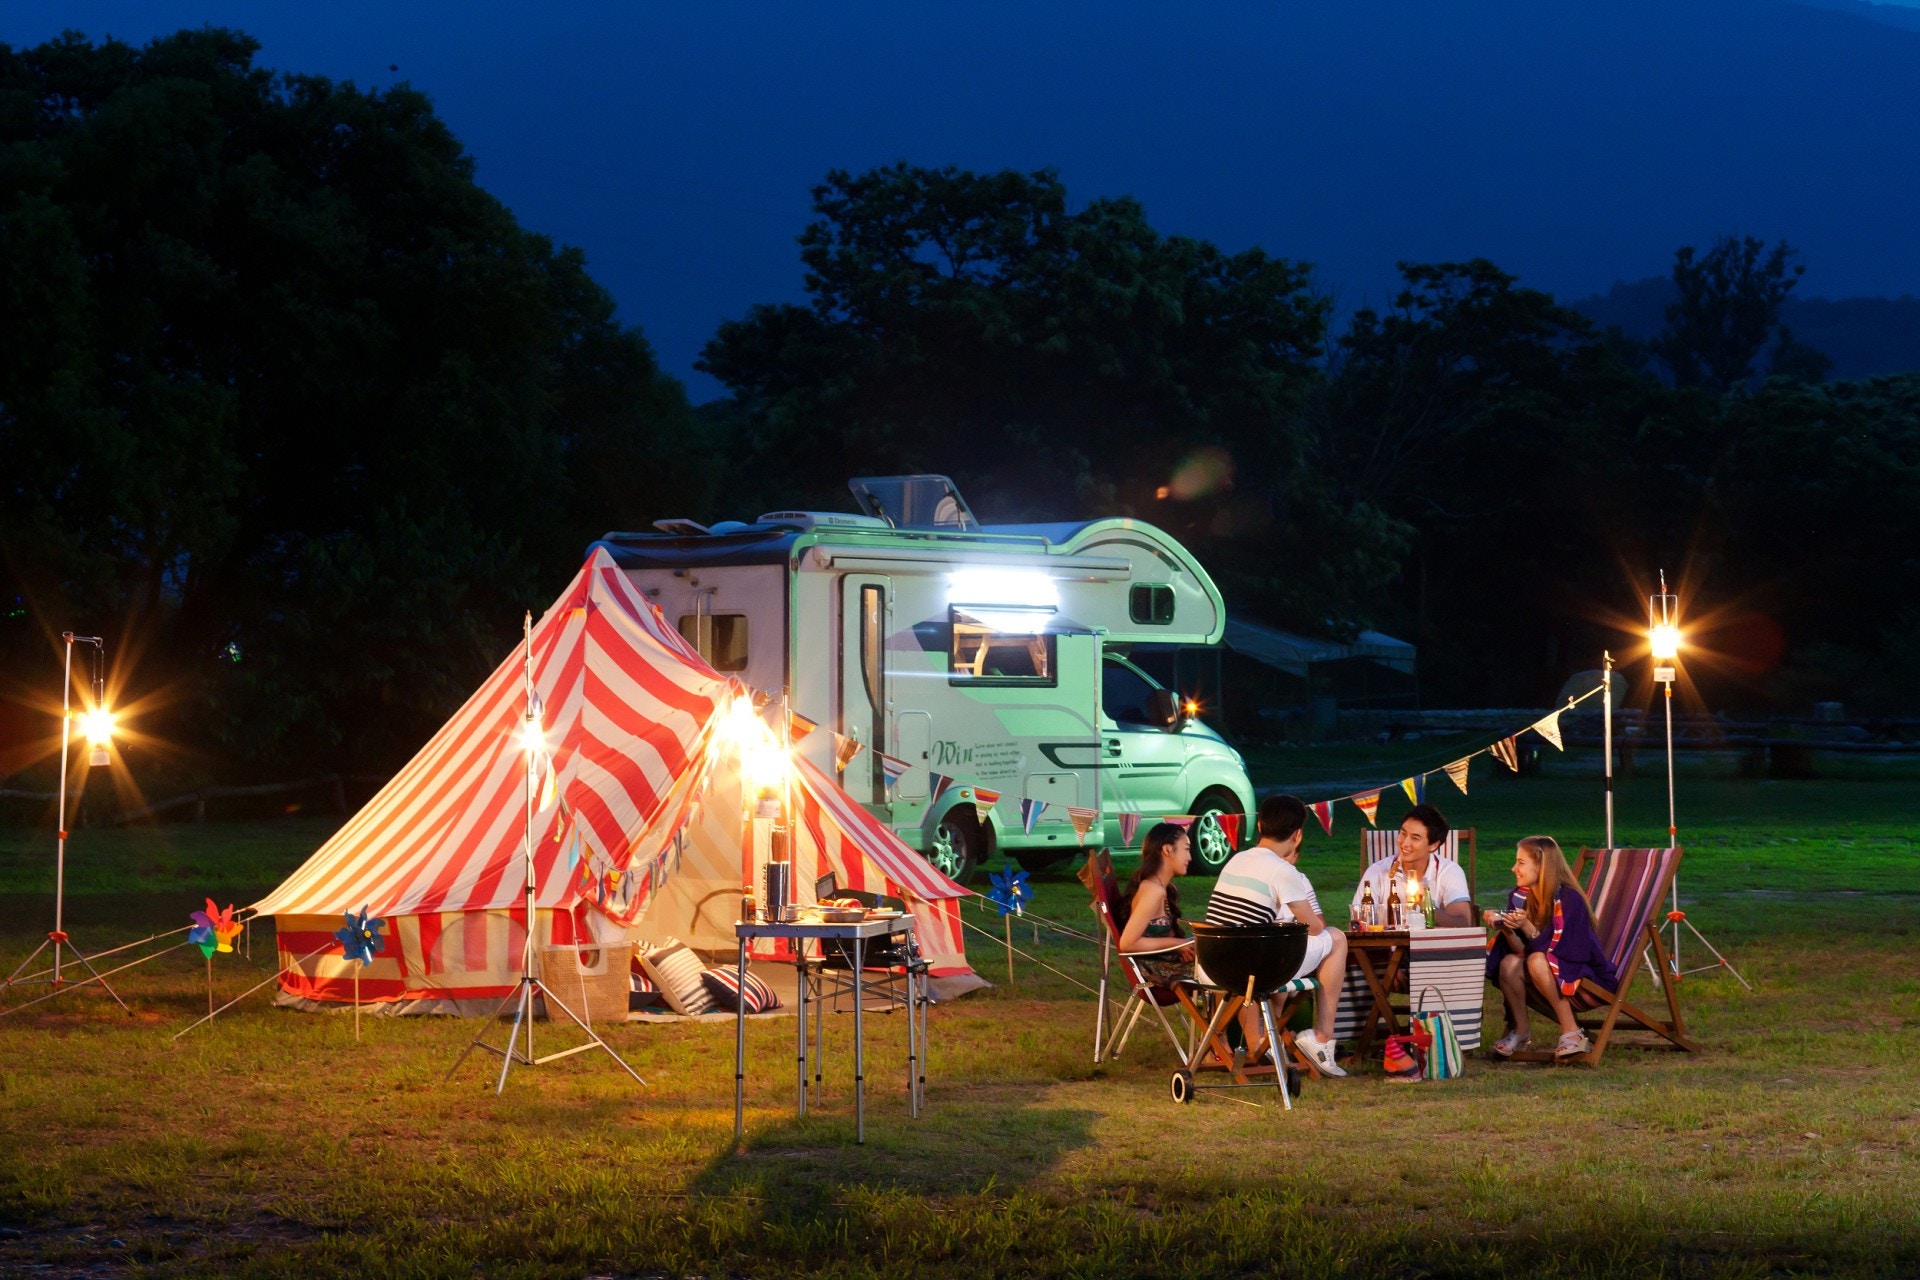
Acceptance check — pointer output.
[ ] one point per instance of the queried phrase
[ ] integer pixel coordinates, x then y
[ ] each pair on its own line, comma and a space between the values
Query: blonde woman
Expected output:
1547, 941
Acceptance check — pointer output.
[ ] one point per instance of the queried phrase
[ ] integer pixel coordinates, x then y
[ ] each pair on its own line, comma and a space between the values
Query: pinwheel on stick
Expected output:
213, 930
1009, 895
360, 941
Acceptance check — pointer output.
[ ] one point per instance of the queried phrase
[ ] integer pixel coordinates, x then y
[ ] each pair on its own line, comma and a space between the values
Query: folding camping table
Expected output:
857, 935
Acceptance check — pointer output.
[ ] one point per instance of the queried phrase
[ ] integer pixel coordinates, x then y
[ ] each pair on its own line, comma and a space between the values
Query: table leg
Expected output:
859, 1042
913, 1056
800, 1023
1381, 1008
740, 1054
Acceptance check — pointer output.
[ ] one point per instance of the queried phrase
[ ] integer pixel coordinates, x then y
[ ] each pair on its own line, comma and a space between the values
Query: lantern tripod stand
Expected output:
531, 985
99, 730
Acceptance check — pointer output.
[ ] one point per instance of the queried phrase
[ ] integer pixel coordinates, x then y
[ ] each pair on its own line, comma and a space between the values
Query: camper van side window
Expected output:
1152, 604
720, 638
991, 649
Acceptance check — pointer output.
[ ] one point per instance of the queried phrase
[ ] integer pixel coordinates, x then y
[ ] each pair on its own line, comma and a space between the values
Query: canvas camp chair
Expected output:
1626, 892
1377, 844
1142, 994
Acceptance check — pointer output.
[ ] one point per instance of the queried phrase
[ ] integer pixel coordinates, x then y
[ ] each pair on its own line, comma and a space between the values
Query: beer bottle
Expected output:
1393, 905
1367, 920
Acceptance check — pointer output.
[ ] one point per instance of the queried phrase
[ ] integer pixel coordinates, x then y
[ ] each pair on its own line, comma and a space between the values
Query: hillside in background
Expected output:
1864, 337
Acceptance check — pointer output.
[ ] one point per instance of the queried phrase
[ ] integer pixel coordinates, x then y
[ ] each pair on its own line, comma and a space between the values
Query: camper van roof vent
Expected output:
806, 520
681, 528
914, 502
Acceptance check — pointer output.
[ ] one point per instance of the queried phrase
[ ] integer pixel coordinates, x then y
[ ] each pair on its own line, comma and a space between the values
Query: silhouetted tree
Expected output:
1727, 311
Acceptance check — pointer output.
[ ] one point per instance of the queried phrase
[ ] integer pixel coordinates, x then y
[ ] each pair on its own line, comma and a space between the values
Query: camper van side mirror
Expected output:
1164, 708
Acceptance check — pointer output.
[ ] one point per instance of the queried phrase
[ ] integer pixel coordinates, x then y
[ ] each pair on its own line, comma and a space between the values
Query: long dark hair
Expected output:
1153, 852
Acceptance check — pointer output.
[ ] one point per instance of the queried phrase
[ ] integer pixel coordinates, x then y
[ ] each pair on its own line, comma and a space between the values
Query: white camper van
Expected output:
986, 658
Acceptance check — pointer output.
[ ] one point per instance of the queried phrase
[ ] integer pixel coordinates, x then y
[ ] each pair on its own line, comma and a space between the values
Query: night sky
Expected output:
1574, 144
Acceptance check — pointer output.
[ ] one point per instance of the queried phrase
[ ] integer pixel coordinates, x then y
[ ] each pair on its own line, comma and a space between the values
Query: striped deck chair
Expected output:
1626, 892
1142, 995
1375, 845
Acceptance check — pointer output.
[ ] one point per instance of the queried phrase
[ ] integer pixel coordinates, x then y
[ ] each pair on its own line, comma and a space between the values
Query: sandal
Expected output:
1509, 1044
1573, 1044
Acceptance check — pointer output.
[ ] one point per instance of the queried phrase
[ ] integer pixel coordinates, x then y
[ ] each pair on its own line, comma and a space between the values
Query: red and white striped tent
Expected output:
642, 831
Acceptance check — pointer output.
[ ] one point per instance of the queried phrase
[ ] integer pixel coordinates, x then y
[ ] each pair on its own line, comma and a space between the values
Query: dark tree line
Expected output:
301, 414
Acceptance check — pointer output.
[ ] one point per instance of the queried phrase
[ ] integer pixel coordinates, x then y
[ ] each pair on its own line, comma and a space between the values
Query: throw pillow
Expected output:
730, 992
677, 972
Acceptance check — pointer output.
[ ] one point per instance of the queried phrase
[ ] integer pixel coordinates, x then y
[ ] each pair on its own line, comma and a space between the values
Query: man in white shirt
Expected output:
1422, 832
1262, 885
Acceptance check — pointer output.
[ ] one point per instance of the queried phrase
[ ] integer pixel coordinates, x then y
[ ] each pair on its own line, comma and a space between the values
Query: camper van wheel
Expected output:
956, 845
1211, 847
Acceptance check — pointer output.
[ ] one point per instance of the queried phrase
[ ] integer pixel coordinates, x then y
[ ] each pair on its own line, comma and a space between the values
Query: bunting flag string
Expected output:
1083, 820
844, 750
1230, 828
983, 802
798, 726
1129, 823
893, 767
937, 786
1502, 749
1548, 727
1182, 820
1030, 811
1368, 804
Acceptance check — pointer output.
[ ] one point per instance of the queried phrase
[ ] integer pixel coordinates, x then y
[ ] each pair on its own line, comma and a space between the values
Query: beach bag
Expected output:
1443, 1061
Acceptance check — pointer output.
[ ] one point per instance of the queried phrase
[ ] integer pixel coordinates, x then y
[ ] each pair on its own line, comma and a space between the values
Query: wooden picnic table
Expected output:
1380, 956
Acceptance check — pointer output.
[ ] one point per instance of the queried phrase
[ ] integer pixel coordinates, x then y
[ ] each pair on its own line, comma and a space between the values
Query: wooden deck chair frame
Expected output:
1610, 1011
1110, 1039
1449, 849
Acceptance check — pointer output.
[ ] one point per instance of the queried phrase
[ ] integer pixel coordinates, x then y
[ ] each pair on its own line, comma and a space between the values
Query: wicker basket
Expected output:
603, 968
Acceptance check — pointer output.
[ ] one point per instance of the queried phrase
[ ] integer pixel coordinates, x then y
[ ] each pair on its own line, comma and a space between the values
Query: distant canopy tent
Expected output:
642, 826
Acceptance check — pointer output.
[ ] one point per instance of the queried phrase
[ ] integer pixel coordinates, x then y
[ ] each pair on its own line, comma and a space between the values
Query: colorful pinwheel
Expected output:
361, 939
213, 930
1010, 893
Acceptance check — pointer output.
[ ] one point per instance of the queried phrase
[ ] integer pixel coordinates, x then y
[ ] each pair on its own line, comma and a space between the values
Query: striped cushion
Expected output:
678, 974
730, 992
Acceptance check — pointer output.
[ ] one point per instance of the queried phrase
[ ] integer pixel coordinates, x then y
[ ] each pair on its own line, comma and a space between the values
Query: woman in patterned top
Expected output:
1545, 938
1153, 918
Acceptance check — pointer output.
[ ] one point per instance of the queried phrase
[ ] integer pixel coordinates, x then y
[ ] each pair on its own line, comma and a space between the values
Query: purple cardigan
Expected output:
1571, 946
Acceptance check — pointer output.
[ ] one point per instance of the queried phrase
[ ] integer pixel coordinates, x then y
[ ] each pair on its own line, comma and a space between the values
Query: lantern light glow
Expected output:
97, 725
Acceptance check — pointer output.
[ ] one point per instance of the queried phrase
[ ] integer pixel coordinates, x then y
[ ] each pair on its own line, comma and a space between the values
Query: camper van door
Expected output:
865, 616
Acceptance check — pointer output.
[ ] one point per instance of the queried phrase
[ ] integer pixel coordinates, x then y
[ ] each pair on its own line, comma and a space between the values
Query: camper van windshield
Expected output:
1001, 646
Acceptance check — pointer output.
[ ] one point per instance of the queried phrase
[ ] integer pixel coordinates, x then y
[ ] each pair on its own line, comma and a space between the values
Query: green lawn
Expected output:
270, 1144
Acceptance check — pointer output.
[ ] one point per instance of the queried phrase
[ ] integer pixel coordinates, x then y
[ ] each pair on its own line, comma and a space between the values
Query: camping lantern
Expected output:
1663, 631
97, 725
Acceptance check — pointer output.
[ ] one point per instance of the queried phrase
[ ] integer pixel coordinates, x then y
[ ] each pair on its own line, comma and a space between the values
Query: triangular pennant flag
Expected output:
1129, 823
798, 726
937, 784
1324, 812
1504, 752
1030, 811
550, 783
983, 802
1230, 828
1548, 727
844, 750
1083, 820
1182, 820
1369, 805
893, 768
1458, 772
1415, 787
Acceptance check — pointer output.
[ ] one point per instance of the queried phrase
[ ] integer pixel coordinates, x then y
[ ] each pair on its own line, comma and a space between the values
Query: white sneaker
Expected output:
1320, 1053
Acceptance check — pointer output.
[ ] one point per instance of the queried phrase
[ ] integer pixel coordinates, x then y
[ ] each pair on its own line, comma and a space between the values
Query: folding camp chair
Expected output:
883, 977
1142, 994
1376, 844
1626, 892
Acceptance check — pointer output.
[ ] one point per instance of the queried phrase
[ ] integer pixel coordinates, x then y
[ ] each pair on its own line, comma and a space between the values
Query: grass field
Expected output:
271, 1144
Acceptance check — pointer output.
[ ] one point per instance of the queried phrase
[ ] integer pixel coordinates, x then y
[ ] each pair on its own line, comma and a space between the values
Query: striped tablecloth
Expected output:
1451, 961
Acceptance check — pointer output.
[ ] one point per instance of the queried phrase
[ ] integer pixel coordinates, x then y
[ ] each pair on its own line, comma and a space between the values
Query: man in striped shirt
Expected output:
1263, 885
